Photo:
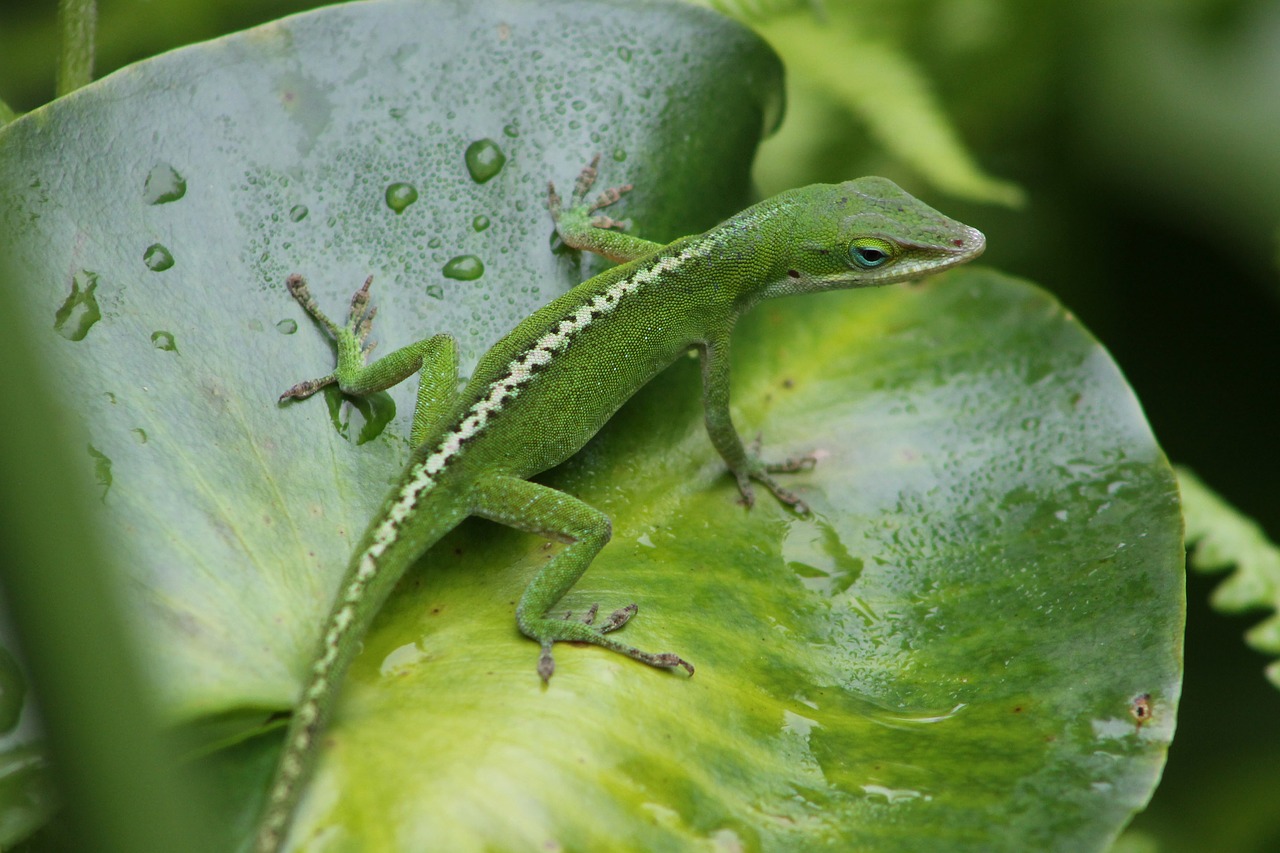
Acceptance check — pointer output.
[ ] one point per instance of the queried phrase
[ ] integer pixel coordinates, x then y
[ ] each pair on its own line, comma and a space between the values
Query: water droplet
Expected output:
164, 341
435, 291
163, 185
298, 212
463, 268
484, 160
619, 155
578, 105
397, 112
480, 222
400, 196
140, 434
287, 326
402, 660
79, 311
157, 258
512, 130
435, 243
895, 795
624, 54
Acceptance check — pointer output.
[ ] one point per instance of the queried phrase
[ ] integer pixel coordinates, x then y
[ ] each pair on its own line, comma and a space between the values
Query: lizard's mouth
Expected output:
940, 256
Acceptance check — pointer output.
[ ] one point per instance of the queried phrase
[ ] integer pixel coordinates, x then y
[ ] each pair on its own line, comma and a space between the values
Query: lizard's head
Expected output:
869, 232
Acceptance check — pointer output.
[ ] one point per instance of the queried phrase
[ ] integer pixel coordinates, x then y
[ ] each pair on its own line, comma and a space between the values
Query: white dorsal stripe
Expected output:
520, 371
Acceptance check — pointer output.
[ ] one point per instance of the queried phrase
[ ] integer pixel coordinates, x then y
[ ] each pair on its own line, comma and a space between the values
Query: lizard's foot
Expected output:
616, 619
570, 630
582, 226
580, 212
760, 471
350, 339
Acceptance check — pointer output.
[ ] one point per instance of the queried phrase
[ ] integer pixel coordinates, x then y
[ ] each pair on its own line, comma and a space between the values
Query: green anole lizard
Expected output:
547, 387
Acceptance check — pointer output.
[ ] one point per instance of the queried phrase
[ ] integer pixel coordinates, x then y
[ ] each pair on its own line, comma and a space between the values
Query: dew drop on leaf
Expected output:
163, 185
164, 341
463, 268
157, 258
400, 196
484, 160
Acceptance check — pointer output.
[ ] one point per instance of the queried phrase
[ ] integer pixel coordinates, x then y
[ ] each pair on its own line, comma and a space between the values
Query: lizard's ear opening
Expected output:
871, 252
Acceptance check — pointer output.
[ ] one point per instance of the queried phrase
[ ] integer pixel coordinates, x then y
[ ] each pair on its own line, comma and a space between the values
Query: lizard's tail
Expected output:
387, 550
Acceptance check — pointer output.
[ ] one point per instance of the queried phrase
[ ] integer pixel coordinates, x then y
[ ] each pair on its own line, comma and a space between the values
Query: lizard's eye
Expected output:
871, 252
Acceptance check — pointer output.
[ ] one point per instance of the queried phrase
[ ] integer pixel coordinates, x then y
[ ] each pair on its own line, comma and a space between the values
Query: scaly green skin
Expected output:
547, 387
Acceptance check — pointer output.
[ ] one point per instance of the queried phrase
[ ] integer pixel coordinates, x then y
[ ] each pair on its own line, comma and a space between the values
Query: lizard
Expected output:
551, 383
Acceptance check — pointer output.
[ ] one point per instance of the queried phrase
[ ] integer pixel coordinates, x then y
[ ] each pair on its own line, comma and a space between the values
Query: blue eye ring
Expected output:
871, 252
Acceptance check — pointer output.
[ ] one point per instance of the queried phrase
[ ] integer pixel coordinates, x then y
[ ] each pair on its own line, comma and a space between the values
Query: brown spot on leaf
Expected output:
1140, 709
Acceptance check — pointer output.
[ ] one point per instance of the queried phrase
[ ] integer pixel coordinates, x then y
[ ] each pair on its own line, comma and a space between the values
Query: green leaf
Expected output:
1221, 537
157, 215
877, 81
947, 654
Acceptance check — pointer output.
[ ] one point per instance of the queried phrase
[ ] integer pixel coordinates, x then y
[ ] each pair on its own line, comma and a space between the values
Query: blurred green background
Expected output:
1144, 141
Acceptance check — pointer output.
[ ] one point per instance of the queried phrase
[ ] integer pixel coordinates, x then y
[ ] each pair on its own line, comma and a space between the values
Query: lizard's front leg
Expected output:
435, 359
581, 226
745, 465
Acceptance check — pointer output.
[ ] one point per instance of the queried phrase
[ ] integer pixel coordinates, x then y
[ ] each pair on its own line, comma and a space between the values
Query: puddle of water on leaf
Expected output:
813, 550
79, 311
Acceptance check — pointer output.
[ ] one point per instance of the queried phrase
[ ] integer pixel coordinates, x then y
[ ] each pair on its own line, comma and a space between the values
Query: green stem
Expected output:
77, 22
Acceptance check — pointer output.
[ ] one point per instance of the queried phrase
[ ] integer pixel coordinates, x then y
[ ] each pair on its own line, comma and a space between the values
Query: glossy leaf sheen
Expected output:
946, 653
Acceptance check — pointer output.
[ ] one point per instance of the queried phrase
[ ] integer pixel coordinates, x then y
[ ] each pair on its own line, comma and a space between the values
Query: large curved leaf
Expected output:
974, 643
951, 651
158, 212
